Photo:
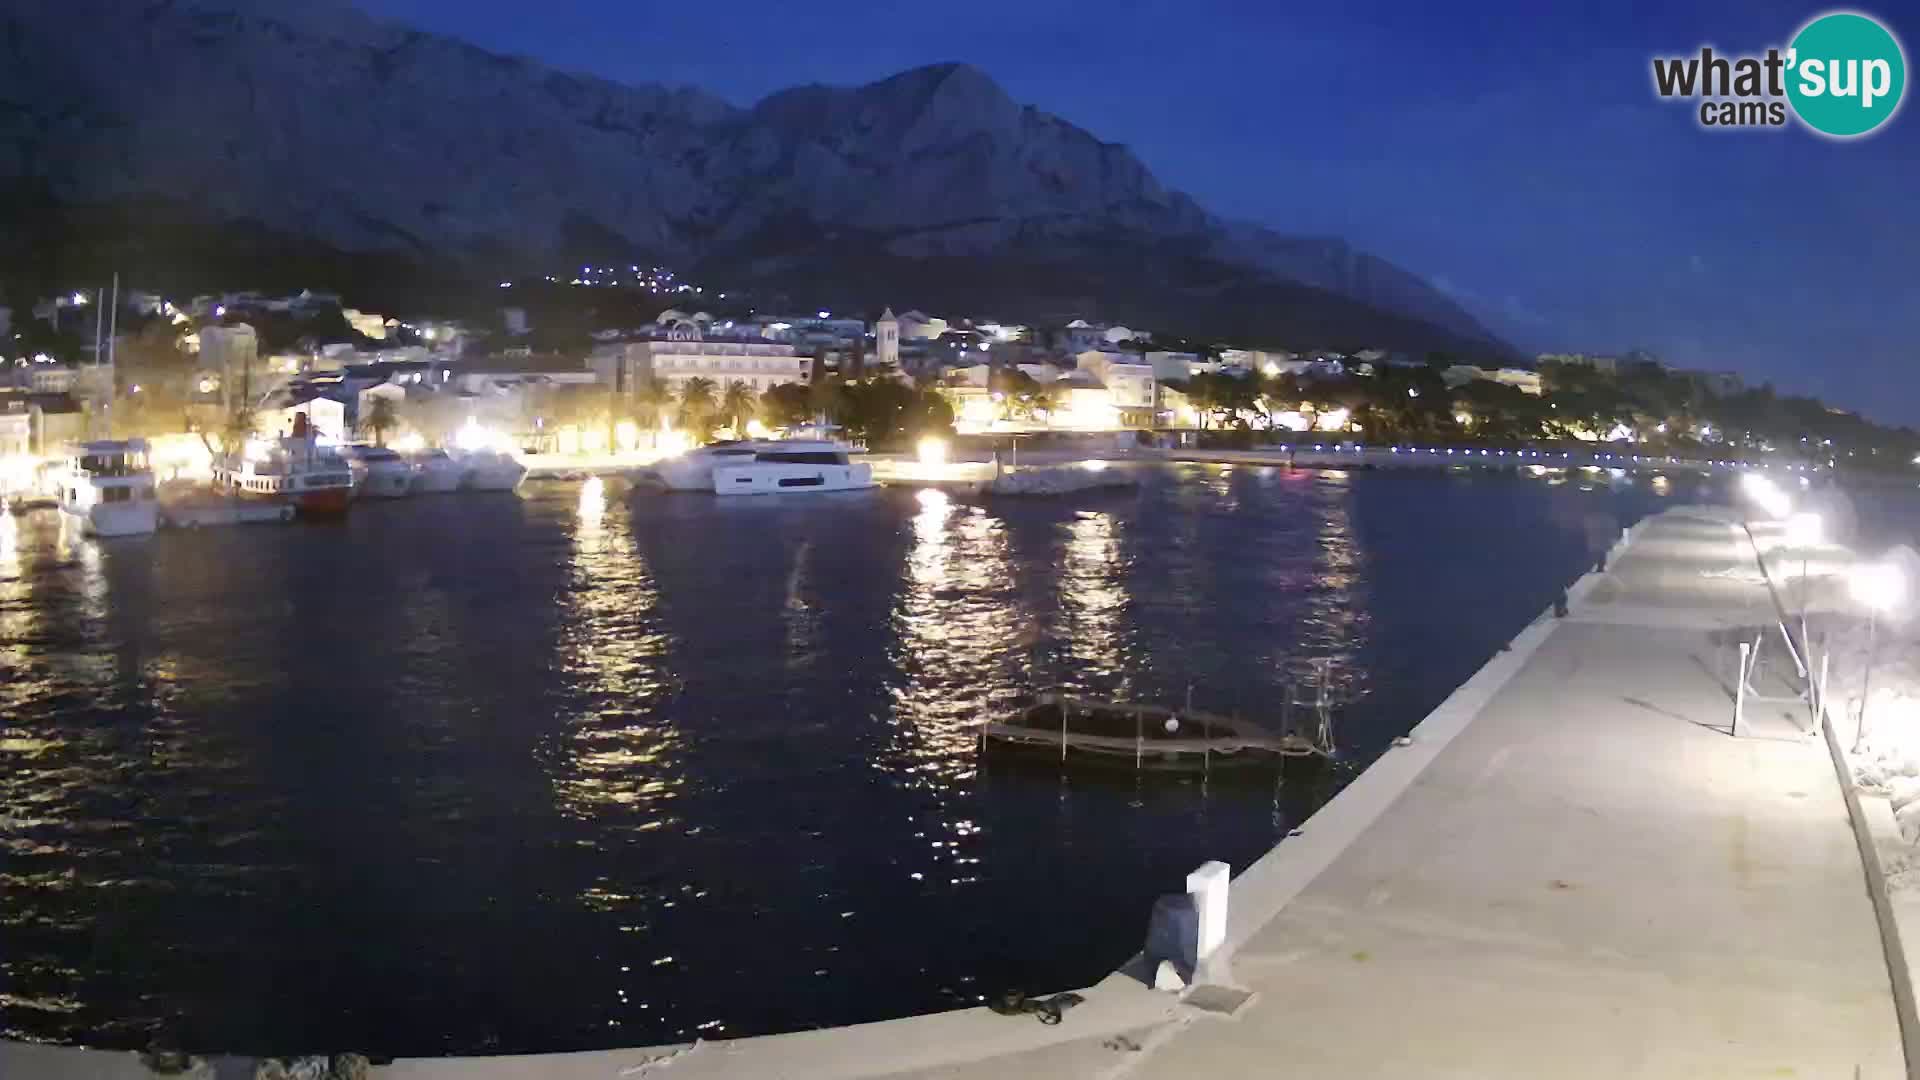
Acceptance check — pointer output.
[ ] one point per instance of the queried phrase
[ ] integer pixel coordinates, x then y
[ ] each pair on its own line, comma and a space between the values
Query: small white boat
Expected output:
378, 473
38, 489
109, 489
490, 470
436, 472
765, 467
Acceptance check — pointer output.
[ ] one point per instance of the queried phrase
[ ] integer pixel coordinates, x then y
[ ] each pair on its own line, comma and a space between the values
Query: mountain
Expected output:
309, 130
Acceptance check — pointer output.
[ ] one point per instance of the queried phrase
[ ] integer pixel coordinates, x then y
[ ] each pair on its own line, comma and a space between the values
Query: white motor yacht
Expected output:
109, 489
693, 470
765, 467
378, 473
490, 470
436, 472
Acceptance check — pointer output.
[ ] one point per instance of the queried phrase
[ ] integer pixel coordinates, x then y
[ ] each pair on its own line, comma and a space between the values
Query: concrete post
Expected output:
1208, 887
1740, 690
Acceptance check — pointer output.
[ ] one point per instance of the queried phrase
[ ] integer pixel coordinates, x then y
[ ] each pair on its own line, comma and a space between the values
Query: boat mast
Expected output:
113, 328
99, 314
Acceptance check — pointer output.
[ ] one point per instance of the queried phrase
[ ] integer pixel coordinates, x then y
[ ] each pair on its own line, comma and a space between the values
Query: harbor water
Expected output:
588, 767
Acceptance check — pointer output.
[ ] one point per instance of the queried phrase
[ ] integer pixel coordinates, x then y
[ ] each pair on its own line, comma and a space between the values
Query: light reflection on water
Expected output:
1093, 598
569, 770
957, 637
615, 757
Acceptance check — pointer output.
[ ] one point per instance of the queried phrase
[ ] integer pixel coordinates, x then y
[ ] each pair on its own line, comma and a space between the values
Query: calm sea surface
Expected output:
587, 768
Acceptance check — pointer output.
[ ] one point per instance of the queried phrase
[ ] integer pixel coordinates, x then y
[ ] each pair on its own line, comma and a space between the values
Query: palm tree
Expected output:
738, 405
381, 418
697, 404
1045, 398
652, 398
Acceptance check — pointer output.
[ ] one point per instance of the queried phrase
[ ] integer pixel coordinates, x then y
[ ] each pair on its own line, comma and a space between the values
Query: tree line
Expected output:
1666, 411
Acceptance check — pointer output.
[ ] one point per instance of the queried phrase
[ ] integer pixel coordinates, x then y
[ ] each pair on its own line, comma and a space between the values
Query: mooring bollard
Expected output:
1208, 887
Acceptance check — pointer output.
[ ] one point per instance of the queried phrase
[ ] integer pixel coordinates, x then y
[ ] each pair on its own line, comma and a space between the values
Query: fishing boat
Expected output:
1146, 737
293, 470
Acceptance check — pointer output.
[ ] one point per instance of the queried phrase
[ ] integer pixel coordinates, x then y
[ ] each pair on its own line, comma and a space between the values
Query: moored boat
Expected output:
490, 470
1149, 737
436, 472
293, 469
109, 490
36, 487
764, 467
378, 473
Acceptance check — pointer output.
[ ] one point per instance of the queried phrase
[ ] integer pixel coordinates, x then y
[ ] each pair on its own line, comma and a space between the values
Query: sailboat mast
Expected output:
113, 321
93, 405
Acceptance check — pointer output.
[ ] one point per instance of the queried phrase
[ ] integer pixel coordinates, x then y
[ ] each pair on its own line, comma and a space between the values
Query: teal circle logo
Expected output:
1845, 74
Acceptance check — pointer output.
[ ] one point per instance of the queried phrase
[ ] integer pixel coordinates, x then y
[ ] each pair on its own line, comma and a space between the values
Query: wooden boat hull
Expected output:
1128, 736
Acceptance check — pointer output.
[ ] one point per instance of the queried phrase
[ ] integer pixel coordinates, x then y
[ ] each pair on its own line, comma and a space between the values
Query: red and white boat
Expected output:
293, 469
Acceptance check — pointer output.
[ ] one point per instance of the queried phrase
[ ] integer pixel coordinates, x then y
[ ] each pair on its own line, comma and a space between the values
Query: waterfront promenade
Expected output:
1572, 869
1592, 878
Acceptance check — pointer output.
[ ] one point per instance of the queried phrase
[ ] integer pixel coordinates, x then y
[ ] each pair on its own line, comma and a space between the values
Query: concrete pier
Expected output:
1590, 877
1330, 455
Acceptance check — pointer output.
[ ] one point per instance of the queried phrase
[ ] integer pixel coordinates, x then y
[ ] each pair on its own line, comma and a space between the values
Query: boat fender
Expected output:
1173, 934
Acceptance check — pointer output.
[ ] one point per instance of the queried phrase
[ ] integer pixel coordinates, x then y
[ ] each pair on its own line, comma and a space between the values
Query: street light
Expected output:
1766, 495
932, 450
1805, 529
1881, 588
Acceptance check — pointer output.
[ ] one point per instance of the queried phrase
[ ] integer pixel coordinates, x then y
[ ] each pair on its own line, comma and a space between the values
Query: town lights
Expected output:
672, 443
474, 437
1805, 529
1766, 495
932, 450
1881, 588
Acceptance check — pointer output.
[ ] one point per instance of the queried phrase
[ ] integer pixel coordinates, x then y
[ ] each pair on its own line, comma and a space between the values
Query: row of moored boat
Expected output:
108, 487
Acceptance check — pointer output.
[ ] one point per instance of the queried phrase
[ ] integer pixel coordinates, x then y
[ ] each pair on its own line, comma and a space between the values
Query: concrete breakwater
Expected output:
1416, 456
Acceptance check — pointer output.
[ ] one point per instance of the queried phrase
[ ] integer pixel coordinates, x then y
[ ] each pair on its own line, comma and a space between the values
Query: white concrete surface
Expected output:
1591, 880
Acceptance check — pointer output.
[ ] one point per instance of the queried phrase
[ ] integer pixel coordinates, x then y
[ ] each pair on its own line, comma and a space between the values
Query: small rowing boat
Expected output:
1151, 737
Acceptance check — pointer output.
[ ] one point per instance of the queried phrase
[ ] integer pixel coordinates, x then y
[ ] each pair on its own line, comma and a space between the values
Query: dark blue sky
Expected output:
1516, 156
